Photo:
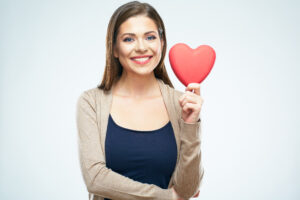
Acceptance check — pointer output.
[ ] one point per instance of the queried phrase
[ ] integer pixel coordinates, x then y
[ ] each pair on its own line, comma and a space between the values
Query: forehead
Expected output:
137, 24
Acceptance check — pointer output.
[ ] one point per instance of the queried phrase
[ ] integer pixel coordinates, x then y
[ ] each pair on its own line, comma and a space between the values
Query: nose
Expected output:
141, 46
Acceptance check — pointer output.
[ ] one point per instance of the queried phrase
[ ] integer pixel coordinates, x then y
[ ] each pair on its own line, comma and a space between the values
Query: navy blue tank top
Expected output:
144, 156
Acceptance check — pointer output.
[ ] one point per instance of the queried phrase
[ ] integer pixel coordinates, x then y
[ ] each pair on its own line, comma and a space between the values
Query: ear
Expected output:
162, 43
116, 54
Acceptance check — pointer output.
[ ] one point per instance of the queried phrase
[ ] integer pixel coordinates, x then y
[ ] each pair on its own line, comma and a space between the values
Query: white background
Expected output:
51, 51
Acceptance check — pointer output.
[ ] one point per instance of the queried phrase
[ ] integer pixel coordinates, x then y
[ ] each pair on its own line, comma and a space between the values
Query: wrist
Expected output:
175, 195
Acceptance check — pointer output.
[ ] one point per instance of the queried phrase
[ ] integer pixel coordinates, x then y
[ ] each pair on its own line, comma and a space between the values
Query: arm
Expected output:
99, 179
189, 173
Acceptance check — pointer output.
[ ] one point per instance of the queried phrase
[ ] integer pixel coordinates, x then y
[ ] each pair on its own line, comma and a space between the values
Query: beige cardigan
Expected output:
93, 107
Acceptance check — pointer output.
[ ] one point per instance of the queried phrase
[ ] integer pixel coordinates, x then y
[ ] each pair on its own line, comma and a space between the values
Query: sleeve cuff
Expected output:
190, 130
167, 195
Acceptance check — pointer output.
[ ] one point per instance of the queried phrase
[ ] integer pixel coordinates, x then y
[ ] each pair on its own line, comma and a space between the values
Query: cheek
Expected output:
125, 50
156, 47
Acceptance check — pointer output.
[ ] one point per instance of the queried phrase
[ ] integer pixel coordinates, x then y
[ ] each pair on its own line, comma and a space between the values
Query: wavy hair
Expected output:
113, 68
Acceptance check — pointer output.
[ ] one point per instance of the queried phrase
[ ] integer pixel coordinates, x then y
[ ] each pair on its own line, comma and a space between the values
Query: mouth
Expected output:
141, 59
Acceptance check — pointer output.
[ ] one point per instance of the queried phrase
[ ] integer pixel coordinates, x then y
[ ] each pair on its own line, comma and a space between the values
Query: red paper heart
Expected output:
191, 65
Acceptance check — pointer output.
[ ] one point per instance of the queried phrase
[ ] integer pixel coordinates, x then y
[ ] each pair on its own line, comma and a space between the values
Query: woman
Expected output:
139, 138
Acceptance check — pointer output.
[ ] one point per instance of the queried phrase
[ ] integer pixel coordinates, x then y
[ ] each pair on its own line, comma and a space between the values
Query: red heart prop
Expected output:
191, 65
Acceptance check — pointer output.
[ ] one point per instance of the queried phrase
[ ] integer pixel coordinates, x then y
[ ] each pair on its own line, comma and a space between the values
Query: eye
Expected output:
152, 37
128, 39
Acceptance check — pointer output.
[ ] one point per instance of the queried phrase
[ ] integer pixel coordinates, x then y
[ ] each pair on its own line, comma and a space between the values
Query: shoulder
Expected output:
177, 93
172, 91
89, 96
174, 95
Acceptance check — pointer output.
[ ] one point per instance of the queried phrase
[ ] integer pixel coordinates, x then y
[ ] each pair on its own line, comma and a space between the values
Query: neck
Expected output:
137, 86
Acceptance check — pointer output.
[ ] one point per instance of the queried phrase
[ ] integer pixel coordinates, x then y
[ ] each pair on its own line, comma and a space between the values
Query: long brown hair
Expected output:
113, 68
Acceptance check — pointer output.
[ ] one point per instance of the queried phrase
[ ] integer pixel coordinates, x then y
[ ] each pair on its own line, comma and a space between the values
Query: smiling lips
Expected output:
141, 59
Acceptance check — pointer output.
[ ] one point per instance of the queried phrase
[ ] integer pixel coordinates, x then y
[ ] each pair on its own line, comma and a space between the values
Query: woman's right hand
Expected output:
175, 195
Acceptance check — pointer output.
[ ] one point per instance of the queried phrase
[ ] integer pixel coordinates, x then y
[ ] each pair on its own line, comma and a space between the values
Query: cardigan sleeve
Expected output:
189, 173
99, 179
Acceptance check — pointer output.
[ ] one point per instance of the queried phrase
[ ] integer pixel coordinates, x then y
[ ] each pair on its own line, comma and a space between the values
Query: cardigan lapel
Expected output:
168, 98
105, 105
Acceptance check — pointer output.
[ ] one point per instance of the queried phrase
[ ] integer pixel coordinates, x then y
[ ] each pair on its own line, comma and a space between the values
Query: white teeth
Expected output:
141, 59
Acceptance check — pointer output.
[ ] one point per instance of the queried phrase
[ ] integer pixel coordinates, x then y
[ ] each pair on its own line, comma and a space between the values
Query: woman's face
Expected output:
138, 45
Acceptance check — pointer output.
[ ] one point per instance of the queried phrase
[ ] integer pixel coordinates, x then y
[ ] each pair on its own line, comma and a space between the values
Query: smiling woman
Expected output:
137, 137
138, 45
135, 30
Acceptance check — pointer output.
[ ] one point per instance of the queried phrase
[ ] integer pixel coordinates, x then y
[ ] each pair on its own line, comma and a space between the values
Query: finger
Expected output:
193, 87
189, 106
181, 97
187, 93
196, 195
189, 99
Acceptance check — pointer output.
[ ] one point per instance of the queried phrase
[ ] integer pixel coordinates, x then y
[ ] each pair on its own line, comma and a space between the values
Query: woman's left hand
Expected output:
191, 103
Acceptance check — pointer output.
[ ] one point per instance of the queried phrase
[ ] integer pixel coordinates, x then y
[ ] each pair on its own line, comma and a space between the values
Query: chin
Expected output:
143, 70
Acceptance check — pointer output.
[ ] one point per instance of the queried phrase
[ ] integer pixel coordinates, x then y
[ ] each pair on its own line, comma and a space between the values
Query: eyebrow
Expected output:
134, 34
